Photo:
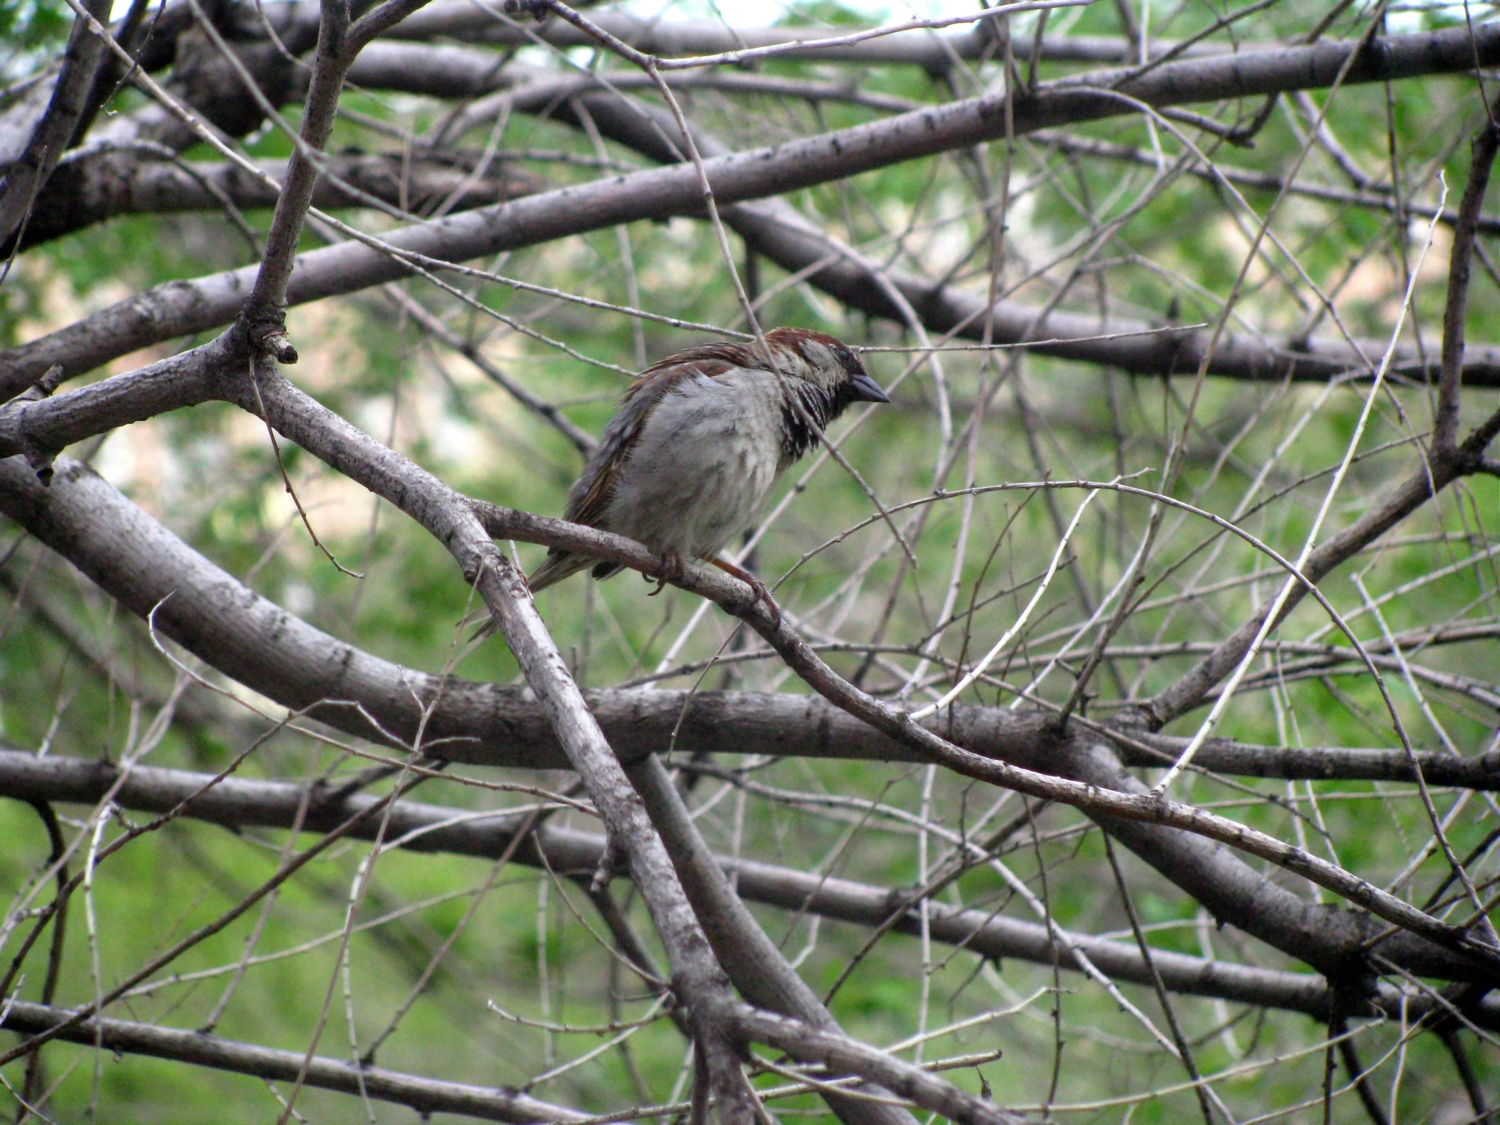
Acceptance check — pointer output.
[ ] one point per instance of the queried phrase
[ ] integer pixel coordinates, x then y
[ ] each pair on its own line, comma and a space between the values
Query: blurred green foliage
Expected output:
28, 30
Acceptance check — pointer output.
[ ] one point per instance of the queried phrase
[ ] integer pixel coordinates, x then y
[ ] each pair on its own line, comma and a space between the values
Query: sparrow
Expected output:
698, 442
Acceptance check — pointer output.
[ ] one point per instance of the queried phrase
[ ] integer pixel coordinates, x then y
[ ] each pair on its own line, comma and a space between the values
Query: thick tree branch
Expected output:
754, 964
932, 51
775, 230
102, 185
257, 643
697, 979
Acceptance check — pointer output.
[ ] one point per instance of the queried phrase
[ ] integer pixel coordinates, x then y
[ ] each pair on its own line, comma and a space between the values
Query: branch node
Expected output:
611, 859
51, 379
266, 333
37, 456
40, 461
279, 345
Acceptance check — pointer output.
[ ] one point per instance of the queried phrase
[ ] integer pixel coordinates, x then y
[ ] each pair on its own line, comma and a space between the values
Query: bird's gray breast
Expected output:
701, 468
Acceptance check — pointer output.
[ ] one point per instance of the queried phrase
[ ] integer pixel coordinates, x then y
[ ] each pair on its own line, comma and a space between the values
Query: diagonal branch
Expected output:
1112, 803
696, 975
263, 315
25, 179
753, 962
1482, 158
1424, 483
697, 979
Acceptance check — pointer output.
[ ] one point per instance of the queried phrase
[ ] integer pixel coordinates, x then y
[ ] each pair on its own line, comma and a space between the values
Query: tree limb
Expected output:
425, 1095
25, 179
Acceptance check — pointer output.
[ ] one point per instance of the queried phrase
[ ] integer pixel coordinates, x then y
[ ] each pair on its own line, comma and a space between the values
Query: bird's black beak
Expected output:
868, 390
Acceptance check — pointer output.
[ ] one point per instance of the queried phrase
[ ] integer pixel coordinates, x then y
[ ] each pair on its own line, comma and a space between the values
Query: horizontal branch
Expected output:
297, 25
241, 803
183, 307
1321, 763
425, 1095
113, 178
932, 51
97, 186
450, 71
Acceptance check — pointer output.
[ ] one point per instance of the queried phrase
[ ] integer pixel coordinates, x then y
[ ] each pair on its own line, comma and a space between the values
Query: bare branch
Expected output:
103, 183
28, 175
425, 1095
1482, 158
263, 315
669, 39
1242, 899
755, 966
1422, 485
842, 1055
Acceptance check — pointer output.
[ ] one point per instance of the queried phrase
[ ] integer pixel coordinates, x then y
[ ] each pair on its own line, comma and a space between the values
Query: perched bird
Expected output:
697, 444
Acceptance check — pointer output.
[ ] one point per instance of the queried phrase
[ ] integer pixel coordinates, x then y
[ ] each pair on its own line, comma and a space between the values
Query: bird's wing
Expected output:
589, 498
591, 493
710, 359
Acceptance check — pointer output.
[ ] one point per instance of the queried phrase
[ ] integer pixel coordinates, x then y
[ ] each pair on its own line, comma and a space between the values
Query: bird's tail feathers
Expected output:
552, 571
562, 565
484, 620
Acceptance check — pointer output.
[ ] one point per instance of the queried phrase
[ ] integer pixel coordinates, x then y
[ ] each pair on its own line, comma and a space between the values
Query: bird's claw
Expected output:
762, 593
671, 570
